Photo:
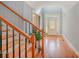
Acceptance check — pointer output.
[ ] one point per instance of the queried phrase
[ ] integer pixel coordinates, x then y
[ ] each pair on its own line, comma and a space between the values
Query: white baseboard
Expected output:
71, 46
56, 34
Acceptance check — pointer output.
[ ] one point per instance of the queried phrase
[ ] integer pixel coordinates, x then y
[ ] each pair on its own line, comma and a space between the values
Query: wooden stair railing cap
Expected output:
20, 16
15, 28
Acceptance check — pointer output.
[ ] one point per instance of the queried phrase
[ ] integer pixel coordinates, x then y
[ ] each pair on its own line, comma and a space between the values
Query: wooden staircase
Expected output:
14, 42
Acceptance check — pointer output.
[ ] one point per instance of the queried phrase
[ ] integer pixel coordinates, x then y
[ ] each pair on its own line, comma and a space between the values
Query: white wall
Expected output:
10, 15
28, 14
71, 26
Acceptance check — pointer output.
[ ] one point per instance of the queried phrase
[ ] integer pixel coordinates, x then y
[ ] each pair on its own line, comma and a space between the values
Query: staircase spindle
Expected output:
13, 45
0, 39
19, 46
25, 48
6, 41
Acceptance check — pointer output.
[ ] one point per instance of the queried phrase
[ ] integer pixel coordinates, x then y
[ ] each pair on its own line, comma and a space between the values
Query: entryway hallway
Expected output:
39, 29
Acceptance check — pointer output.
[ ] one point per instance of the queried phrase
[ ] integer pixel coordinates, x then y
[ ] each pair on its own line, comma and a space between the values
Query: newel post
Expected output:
33, 45
43, 44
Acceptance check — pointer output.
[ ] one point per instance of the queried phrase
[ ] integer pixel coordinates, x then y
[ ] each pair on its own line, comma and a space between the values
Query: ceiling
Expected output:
61, 4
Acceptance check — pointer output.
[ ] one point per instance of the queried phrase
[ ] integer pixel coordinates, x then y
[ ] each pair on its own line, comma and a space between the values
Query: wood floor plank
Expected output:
57, 47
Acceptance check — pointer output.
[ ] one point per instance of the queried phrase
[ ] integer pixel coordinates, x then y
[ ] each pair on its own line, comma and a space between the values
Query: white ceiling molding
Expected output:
62, 4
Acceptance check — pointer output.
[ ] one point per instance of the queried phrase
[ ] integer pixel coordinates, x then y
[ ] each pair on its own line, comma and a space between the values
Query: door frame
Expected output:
36, 16
59, 24
51, 18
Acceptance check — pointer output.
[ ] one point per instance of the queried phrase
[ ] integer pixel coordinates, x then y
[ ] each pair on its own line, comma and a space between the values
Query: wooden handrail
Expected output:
20, 16
15, 28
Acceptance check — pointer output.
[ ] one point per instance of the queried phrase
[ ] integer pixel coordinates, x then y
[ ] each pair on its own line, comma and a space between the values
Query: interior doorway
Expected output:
36, 19
52, 26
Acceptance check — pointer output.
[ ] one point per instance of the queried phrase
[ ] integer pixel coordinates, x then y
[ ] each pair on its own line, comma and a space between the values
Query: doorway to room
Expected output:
36, 19
52, 25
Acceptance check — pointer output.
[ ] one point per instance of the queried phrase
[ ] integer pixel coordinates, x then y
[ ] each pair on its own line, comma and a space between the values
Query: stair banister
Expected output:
40, 30
20, 16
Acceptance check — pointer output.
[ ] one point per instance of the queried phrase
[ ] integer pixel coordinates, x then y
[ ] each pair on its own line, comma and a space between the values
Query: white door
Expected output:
52, 26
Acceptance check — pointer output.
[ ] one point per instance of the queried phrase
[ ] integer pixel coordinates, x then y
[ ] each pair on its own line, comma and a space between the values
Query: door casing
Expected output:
52, 26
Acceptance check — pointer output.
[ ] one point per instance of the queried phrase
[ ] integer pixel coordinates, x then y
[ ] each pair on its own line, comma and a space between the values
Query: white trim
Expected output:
57, 34
70, 45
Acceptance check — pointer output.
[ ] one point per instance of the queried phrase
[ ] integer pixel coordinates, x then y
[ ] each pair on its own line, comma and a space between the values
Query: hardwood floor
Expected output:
57, 47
